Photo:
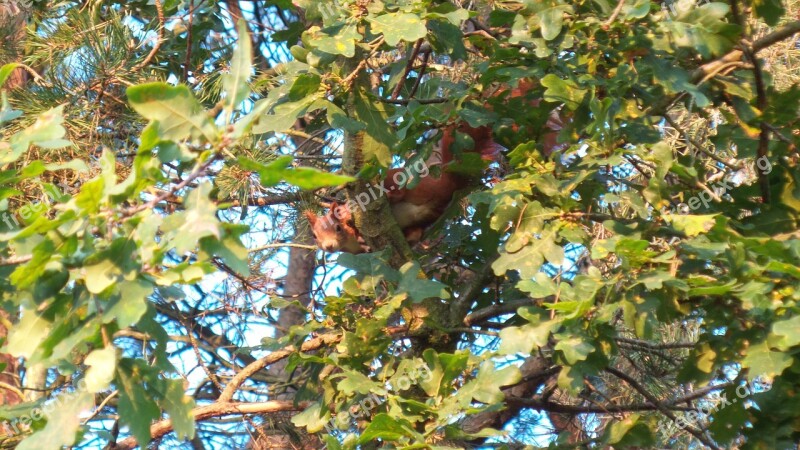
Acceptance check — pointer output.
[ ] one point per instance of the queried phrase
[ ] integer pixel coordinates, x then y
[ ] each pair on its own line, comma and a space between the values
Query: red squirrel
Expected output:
416, 208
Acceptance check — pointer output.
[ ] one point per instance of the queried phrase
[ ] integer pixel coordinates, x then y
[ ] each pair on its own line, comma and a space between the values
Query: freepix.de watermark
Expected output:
417, 169
29, 211
706, 409
704, 198
365, 406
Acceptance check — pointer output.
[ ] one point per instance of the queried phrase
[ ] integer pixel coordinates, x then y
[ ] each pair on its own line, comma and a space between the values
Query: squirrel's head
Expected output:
333, 231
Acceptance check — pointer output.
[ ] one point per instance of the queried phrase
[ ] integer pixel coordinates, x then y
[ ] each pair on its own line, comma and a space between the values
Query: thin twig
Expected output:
407, 70
421, 101
763, 136
199, 171
157, 45
14, 260
659, 405
654, 346
188, 59
425, 57
348, 80
100, 407
281, 245
614, 14
698, 146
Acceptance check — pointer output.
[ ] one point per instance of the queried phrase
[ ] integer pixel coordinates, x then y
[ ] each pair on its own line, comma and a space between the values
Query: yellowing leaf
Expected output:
102, 364
691, 225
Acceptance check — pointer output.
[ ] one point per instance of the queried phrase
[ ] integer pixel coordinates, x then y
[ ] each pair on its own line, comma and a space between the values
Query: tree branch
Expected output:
217, 409
159, 40
660, 406
250, 369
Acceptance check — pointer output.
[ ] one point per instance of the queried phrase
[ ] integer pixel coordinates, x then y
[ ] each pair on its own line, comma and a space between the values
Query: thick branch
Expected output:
218, 409
250, 369
714, 67
550, 406
461, 306
498, 310
785, 32
375, 221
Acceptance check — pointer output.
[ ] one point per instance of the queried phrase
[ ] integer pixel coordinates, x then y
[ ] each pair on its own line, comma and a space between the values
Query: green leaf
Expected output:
419, 288
231, 250
246, 124
551, 21
136, 407
638, 10
7, 113
527, 338
764, 362
786, 333
337, 40
24, 338
448, 39
91, 197
379, 137
676, 80
456, 16
304, 85
235, 82
199, 220
179, 115
179, 407
542, 287
312, 418
6, 71
729, 421
399, 26
63, 423
629, 432
691, 225
485, 388
338, 119
103, 364
49, 284
129, 304
770, 10
526, 254
386, 428
283, 116
574, 349
356, 382
562, 91
101, 275
443, 369
302, 177
46, 132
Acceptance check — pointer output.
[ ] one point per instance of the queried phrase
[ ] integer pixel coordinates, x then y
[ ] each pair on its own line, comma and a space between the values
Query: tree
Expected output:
635, 289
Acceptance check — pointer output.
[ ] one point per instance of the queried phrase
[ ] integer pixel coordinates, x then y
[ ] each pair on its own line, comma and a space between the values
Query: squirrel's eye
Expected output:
338, 228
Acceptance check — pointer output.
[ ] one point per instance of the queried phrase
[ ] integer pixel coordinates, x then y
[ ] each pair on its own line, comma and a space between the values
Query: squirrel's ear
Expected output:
334, 205
311, 216
342, 212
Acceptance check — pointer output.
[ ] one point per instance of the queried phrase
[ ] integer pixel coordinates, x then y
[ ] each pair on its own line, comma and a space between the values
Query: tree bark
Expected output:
13, 19
12, 35
279, 433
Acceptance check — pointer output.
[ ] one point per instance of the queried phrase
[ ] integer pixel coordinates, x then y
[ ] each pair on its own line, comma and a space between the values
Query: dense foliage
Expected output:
638, 288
